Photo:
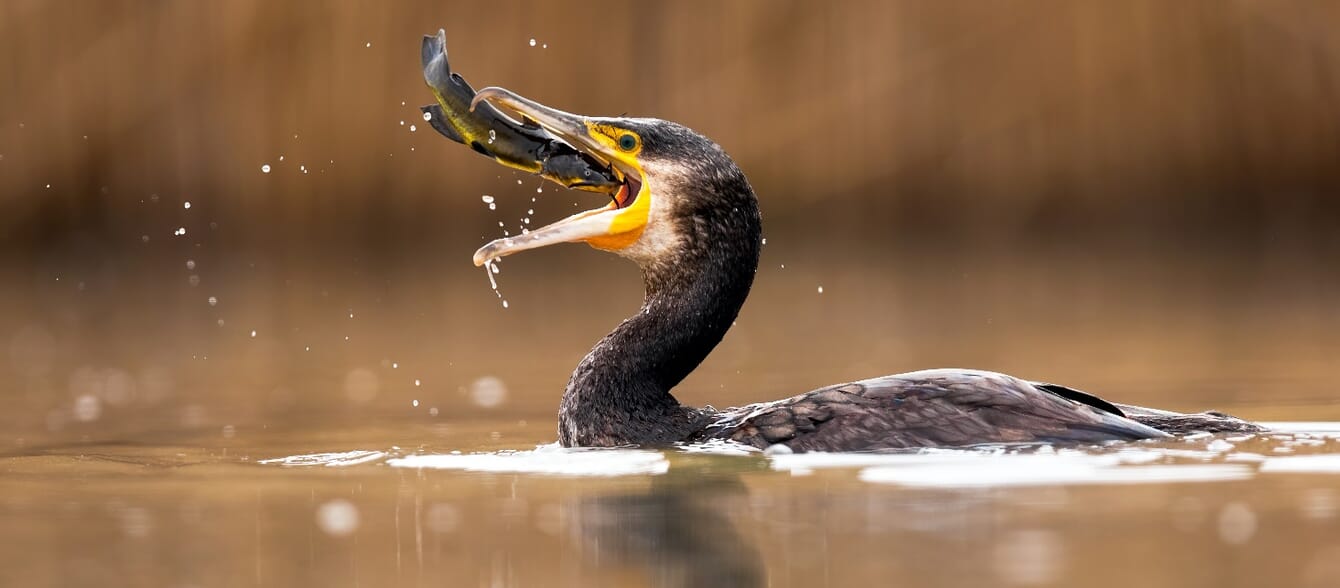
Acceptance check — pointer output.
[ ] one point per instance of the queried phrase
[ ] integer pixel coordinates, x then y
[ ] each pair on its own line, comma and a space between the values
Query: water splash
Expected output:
330, 460
548, 460
490, 270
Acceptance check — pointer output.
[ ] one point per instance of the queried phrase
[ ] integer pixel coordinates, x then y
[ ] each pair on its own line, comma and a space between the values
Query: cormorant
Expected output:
685, 213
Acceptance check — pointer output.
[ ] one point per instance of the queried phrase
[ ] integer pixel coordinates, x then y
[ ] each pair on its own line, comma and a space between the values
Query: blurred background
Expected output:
216, 216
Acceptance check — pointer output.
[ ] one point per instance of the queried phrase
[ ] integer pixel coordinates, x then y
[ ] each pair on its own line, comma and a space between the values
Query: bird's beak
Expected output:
612, 227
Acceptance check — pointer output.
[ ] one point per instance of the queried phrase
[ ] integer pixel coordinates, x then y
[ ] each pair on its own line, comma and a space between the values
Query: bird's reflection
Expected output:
677, 531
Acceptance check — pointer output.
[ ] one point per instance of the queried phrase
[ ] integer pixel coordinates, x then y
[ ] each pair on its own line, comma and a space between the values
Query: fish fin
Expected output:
433, 45
438, 120
436, 69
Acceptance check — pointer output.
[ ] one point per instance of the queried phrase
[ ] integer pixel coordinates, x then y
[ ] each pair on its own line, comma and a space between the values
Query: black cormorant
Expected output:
686, 214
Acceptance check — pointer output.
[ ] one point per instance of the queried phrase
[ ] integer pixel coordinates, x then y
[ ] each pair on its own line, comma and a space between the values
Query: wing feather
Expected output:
934, 408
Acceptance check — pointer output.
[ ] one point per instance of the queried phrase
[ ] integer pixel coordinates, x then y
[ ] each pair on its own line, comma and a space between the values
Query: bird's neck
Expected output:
620, 392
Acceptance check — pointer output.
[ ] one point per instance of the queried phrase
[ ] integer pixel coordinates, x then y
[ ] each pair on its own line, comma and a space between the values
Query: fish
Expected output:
522, 145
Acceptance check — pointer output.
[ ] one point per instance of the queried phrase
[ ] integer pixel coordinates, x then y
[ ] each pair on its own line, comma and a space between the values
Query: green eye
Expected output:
627, 142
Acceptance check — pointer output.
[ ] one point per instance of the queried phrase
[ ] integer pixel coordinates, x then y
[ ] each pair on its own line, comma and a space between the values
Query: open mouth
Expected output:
628, 190
612, 227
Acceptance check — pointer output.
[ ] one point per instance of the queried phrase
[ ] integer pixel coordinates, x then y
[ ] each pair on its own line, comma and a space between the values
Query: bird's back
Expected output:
931, 408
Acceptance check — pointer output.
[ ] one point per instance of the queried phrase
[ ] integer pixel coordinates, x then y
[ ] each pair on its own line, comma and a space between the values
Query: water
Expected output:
477, 503
128, 459
410, 442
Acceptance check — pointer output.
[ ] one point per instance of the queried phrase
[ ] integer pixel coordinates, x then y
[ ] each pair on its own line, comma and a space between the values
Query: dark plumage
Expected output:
620, 392
933, 408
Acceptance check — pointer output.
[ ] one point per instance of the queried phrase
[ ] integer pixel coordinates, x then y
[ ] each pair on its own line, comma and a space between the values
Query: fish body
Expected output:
519, 145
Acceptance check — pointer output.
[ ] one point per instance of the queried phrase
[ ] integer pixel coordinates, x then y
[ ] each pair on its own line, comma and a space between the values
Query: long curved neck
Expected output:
620, 392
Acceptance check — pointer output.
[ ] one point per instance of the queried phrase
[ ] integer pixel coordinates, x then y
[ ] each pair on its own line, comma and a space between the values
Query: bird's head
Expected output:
677, 190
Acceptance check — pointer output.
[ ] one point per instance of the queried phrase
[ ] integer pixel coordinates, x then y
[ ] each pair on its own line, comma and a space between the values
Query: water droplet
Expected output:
337, 517
821, 289
368, 44
504, 304
544, 46
765, 240
493, 135
426, 116
213, 301
253, 334
493, 206
487, 199
413, 128
540, 189
87, 408
180, 231
532, 42
1237, 523
193, 281
518, 182
432, 411
265, 169
190, 264
186, 205
488, 392
417, 383
530, 211
415, 403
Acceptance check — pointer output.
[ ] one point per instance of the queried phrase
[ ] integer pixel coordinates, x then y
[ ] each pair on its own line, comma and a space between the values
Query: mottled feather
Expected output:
932, 408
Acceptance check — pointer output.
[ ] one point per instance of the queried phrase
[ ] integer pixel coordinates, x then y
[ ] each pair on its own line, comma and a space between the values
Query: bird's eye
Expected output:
627, 142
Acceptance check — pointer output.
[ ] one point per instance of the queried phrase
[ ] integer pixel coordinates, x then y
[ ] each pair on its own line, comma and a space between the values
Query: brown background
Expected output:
1139, 198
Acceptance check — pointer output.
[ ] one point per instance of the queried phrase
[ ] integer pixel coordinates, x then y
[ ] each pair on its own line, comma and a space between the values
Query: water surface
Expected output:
496, 504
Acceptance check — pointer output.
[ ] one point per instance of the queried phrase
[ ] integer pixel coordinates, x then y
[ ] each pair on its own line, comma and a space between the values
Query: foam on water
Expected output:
1041, 470
1302, 464
1327, 428
330, 460
1198, 459
545, 460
